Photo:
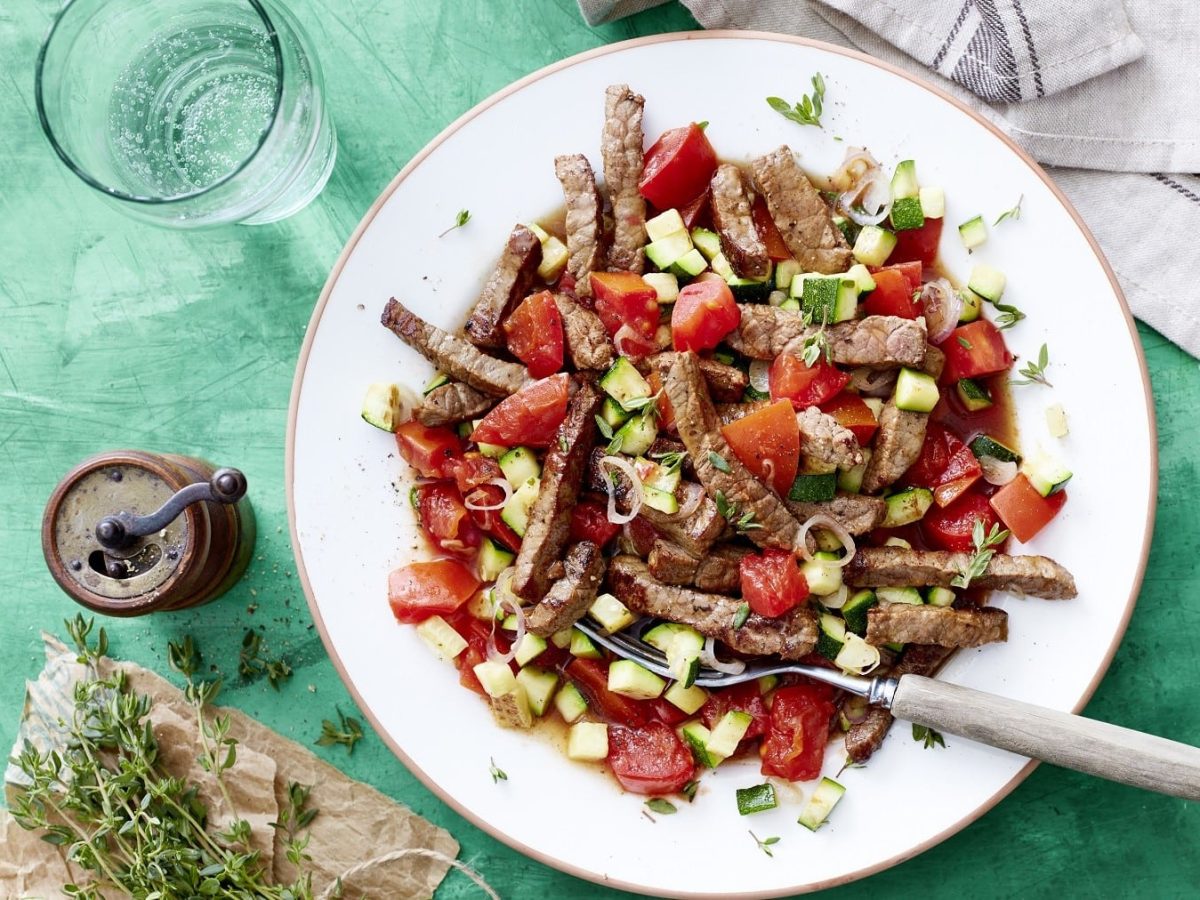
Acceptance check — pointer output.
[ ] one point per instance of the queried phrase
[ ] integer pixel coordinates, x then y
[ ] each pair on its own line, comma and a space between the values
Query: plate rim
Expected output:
352, 243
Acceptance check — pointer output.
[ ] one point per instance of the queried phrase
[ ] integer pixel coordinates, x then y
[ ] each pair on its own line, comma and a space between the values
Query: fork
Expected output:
1075, 742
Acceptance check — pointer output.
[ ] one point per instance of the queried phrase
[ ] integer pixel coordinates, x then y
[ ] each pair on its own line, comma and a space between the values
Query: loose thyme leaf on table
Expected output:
984, 544
348, 732
808, 110
1035, 372
463, 217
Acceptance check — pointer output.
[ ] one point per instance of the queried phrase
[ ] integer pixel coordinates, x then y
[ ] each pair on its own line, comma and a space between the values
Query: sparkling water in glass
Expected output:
188, 112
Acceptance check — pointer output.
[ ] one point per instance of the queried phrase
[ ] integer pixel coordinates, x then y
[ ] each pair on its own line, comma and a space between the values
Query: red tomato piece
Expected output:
591, 676
772, 582
744, 697
962, 471
530, 416
940, 444
668, 713
488, 520
589, 522
974, 350
949, 527
790, 378
798, 733
768, 232
535, 334
433, 452
422, 589
678, 167
466, 662
853, 414
696, 212
475, 633
473, 470
650, 759
893, 295
704, 313
768, 443
919, 244
445, 518
625, 299
1023, 510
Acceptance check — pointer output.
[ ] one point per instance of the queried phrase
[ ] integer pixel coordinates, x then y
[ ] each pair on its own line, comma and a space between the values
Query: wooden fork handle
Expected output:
1074, 742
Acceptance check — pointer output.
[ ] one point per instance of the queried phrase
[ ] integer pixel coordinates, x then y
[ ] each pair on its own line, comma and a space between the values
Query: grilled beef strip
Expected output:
621, 147
864, 738
1036, 576
716, 572
826, 444
857, 513
699, 428
792, 635
943, 626
562, 477
571, 596
725, 383
584, 334
935, 361
505, 288
452, 403
458, 358
585, 219
881, 342
740, 243
801, 215
897, 445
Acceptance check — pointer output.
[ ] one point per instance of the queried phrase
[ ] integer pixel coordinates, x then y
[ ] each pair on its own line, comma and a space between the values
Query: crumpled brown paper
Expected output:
355, 823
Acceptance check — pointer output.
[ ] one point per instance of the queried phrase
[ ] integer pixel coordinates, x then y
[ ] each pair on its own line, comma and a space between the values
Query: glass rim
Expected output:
89, 179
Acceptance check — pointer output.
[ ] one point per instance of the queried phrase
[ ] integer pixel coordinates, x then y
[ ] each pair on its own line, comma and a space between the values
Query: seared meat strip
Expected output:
864, 738
506, 287
452, 403
571, 596
621, 147
801, 215
585, 218
584, 335
453, 355
826, 443
882, 342
725, 383
731, 412
1037, 576
717, 571
731, 215
562, 477
857, 513
792, 635
699, 428
897, 445
906, 623
935, 361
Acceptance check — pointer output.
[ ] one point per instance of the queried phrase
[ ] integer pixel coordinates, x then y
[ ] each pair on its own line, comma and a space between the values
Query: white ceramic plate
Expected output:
351, 522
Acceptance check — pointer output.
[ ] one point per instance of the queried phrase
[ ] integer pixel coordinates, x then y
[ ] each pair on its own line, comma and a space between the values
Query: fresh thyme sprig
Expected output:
984, 551
930, 737
347, 732
816, 344
1014, 213
496, 772
670, 461
1035, 372
719, 462
741, 523
765, 844
1009, 315
252, 665
808, 110
463, 217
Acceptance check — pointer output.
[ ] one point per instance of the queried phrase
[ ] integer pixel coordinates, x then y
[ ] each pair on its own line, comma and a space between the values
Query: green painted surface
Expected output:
114, 333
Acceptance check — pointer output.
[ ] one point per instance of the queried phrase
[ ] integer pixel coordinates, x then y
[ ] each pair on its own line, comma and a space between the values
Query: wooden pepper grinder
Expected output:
127, 533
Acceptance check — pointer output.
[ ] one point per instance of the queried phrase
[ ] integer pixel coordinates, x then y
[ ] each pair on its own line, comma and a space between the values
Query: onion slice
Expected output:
820, 520
635, 494
504, 600
695, 498
857, 163
501, 483
997, 472
855, 709
760, 376
873, 382
942, 306
869, 201
708, 657
857, 657
837, 599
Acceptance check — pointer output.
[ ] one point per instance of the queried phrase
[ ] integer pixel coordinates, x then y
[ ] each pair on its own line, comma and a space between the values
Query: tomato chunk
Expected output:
974, 350
535, 334
1023, 510
919, 244
422, 589
704, 313
772, 582
589, 522
768, 443
853, 414
946, 465
767, 230
696, 212
433, 452
627, 305
949, 527
797, 733
650, 759
445, 518
678, 167
790, 378
893, 294
530, 416
591, 676
474, 469
745, 697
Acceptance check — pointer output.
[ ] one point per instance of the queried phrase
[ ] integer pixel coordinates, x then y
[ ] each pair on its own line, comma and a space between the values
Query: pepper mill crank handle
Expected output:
118, 531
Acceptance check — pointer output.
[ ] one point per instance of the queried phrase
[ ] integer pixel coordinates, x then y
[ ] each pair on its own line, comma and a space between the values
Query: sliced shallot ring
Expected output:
857, 162
873, 188
942, 306
820, 520
708, 657
997, 472
695, 498
493, 652
501, 483
635, 499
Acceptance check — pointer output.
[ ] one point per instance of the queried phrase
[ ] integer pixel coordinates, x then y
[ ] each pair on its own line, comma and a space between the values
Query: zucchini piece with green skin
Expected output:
516, 510
821, 804
749, 290
707, 242
939, 596
492, 451
904, 180
493, 559
464, 430
973, 394
985, 445
933, 202
851, 480
570, 703
438, 379
624, 383
381, 406
687, 699
819, 297
539, 687
582, 646
987, 281
695, 736
1046, 474
613, 413
823, 576
907, 214
721, 266
665, 285
441, 638
627, 678
813, 488
972, 307
728, 733
610, 612
664, 224
656, 476
909, 595
758, 798
831, 635
973, 232
689, 265
874, 245
562, 639
766, 683
519, 465
906, 507
587, 741
862, 277
916, 391
785, 271
663, 501
636, 436
531, 647
682, 646
849, 229
854, 611
667, 250
495, 678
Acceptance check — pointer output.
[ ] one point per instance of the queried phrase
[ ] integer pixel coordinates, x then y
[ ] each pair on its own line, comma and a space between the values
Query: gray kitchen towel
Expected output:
1102, 92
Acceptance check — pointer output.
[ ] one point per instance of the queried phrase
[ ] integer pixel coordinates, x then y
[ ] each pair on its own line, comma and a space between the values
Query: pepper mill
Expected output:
127, 533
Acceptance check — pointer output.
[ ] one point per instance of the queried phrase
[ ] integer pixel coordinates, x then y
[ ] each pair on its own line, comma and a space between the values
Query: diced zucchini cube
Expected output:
831, 635
689, 265
874, 245
972, 306
906, 507
666, 250
1056, 420
554, 259
688, 699
587, 741
627, 678
973, 232
531, 647
539, 687
987, 281
823, 576
519, 465
904, 180
821, 804
862, 277
624, 383
721, 266
766, 683
854, 611
973, 394
613, 413
933, 202
562, 639
661, 500
916, 391
441, 638
851, 480
813, 488
570, 703
939, 596
381, 406
728, 733
907, 214
707, 242
637, 435
495, 678
582, 646
664, 224
610, 612
785, 271
1047, 474
909, 595
696, 737
516, 510
493, 559
665, 284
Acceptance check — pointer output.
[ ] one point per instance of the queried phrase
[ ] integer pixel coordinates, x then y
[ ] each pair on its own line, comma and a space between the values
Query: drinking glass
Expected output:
187, 113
